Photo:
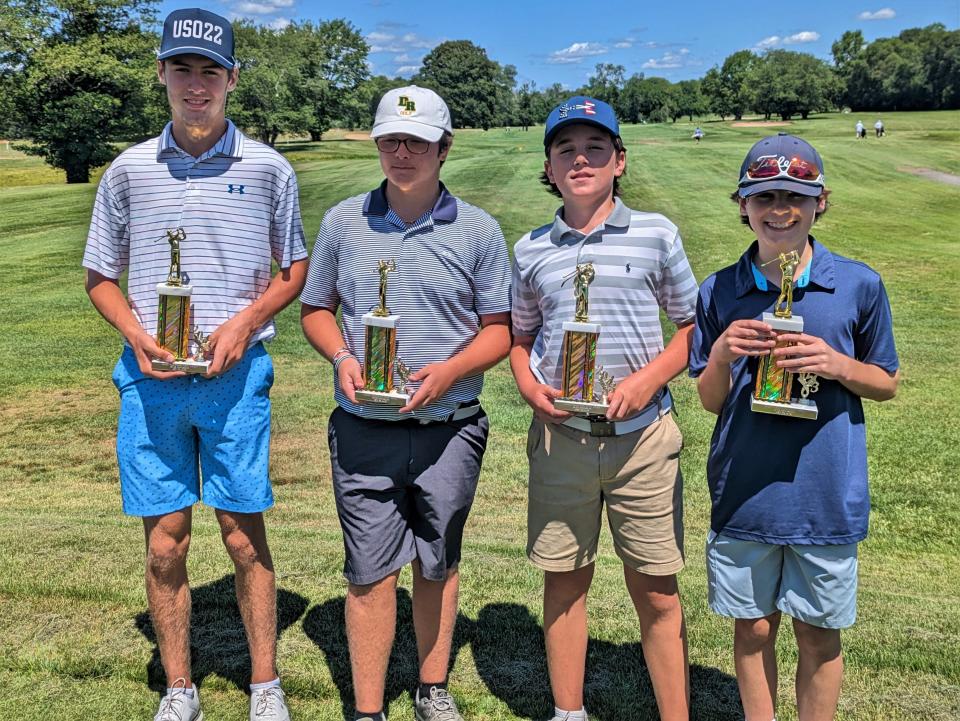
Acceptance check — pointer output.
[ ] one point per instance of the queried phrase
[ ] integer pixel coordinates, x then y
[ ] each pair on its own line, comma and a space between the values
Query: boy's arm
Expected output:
634, 392
229, 341
814, 355
321, 329
538, 396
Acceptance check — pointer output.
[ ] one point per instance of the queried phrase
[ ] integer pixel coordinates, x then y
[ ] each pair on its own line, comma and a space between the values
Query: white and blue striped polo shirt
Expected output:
238, 204
452, 267
640, 267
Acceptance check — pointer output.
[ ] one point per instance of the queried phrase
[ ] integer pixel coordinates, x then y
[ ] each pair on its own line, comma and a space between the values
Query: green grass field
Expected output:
75, 642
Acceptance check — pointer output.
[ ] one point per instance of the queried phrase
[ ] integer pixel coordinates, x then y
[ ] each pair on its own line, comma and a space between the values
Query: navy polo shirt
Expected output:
782, 480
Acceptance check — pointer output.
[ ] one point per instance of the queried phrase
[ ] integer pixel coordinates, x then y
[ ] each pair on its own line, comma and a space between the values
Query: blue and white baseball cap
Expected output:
581, 109
198, 32
781, 162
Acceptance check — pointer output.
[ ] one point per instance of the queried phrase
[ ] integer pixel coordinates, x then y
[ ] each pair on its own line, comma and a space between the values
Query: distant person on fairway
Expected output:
878, 128
698, 135
628, 459
789, 495
404, 478
861, 131
236, 201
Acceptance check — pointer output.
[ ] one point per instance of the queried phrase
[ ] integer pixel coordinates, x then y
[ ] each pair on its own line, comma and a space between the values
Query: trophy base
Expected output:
584, 408
393, 398
187, 366
795, 409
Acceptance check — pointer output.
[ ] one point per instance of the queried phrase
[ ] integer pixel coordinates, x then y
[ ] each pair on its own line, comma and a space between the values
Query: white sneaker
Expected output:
178, 705
269, 704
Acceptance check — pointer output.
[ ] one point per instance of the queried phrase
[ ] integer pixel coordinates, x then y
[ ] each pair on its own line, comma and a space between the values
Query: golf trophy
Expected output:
773, 393
580, 371
173, 318
380, 351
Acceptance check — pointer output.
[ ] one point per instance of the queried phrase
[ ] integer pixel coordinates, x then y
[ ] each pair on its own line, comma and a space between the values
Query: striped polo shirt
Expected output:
238, 205
640, 267
452, 267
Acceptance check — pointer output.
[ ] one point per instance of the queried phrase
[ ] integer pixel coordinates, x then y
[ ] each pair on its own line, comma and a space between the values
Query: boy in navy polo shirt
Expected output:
789, 495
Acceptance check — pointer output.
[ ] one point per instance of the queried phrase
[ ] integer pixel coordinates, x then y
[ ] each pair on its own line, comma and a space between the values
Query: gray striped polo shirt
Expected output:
452, 267
238, 204
640, 267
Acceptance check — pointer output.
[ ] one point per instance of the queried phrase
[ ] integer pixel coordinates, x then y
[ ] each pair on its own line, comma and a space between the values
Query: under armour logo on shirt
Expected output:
231, 188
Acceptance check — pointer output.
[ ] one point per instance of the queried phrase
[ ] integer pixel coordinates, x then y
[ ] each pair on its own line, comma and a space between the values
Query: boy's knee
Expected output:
166, 554
755, 632
821, 644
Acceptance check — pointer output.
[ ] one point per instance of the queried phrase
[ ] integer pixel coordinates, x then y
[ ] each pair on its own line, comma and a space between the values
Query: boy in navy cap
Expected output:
628, 459
789, 495
235, 201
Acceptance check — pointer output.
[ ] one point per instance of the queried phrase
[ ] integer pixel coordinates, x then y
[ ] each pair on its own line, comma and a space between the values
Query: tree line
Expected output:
78, 75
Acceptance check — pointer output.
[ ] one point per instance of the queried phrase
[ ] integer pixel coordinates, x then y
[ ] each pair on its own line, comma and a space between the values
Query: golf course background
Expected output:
75, 639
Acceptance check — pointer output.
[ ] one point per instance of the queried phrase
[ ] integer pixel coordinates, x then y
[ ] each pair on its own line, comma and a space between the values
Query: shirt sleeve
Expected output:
677, 292
706, 330
108, 241
320, 290
287, 242
873, 339
526, 317
491, 277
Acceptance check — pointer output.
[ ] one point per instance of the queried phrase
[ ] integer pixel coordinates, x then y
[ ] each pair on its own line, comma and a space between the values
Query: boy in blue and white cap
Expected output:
789, 495
236, 200
627, 460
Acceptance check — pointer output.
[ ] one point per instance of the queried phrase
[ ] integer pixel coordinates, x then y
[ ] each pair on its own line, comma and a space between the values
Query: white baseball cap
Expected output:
414, 111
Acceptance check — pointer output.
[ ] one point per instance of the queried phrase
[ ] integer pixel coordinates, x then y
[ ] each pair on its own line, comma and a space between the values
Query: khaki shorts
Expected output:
637, 475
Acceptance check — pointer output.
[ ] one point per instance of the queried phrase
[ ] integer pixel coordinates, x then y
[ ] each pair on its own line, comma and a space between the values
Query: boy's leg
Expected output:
755, 659
168, 592
565, 633
434, 619
371, 619
245, 538
819, 671
664, 638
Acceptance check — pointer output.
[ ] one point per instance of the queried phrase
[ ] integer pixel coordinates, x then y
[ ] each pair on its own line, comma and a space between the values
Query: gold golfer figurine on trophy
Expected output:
380, 351
173, 317
773, 392
580, 370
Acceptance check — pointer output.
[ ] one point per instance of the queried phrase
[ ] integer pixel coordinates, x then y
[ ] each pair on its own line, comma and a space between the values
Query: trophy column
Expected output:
173, 317
380, 351
774, 387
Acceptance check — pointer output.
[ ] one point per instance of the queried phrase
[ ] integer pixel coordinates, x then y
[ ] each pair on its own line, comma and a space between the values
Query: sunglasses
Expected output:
772, 166
415, 145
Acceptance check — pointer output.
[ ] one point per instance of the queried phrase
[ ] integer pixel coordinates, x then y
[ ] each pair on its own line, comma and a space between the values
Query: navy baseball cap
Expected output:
782, 162
581, 109
198, 32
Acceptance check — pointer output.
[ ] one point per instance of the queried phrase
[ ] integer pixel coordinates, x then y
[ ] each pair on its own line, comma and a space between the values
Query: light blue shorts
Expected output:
172, 432
813, 584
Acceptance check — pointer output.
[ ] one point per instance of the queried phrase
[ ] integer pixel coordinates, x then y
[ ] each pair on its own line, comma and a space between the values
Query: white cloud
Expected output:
807, 36
263, 7
407, 69
576, 52
670, 59
279, 23
384, 42
769, 42
883, 14
623, 44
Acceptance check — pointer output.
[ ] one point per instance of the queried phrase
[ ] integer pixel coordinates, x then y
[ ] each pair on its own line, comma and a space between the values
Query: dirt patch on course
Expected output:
357, 136
947, 178
760, 123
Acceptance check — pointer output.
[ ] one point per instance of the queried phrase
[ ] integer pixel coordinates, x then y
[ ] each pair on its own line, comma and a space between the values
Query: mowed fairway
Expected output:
75, 641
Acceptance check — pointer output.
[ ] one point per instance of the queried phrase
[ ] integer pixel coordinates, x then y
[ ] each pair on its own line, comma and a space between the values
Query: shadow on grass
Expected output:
324, 625
218, 642
510, 657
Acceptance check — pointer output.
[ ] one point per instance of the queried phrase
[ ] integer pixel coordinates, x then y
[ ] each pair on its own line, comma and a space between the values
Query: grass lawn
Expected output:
75, 641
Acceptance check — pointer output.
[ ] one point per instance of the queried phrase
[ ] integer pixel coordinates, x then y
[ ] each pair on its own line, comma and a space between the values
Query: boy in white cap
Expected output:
233, 204
404, 477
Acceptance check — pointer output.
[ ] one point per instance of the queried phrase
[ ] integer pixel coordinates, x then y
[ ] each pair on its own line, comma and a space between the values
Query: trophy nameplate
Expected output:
380, 351
773, 392
580, 373
173, 318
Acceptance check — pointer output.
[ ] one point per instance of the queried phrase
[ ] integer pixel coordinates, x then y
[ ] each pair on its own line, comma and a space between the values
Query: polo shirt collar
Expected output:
821, 270
444, 210
619, 218
229, 145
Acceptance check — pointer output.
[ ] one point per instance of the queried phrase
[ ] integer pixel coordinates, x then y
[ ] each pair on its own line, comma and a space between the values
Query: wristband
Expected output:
340, 356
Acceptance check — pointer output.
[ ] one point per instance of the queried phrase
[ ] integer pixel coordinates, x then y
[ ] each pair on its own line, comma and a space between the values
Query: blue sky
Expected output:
562, 41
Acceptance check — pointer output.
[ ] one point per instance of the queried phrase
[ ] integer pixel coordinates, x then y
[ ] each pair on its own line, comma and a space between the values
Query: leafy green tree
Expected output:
473, 85
788, 83
689, 100
526, 104
715, 93
85, 78
649, 99
735, 80
606, 84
